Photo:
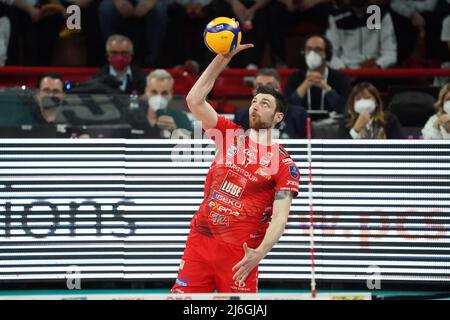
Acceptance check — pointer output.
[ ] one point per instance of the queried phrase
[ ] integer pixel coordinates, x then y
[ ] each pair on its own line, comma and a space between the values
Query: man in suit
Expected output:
293, 125
119, 53
319, 87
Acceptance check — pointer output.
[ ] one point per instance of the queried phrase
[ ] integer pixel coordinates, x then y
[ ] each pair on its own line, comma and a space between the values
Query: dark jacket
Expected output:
293, 124
136, 83
333, 101
393, 128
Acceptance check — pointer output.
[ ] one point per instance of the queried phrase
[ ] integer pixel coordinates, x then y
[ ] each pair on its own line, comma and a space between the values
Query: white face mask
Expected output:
364, 105
447, 106
313, 60
158, 102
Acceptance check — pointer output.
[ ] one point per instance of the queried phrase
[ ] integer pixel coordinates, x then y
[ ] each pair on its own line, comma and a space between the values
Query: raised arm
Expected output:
196, 98
281, 207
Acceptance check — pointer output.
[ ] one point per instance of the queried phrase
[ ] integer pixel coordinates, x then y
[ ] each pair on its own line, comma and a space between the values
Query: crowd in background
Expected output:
122, 37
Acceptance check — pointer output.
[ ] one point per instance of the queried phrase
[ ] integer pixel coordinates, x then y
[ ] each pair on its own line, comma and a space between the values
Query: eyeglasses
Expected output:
116, 53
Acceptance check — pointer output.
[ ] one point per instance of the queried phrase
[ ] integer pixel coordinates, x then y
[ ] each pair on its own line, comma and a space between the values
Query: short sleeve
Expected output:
288, 178
222, 127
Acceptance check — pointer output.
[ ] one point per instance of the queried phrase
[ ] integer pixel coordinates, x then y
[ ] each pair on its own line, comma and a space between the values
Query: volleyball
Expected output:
222, 35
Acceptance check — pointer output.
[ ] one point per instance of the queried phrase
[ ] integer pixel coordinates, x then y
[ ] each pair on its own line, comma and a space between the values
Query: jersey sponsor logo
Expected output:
231, 189
181, 264
287, 160
263, 174
293, 170
264, 161
221, 209
181, 283
219, 219
245, 173
288, 189
292, 183
226, 200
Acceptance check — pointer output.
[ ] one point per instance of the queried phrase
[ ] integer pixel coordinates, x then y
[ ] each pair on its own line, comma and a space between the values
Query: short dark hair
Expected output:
281, 105
268, 72
53, 75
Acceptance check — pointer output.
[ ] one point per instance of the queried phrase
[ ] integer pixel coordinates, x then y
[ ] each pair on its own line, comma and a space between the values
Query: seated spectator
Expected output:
119, 53
49, 95
354, 45
293, 125
320, 87
445, 37
365, 117
156, 111
438, 126
145, 19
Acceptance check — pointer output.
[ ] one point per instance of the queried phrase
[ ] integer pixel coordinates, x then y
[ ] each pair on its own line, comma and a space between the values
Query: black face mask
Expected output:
50, 102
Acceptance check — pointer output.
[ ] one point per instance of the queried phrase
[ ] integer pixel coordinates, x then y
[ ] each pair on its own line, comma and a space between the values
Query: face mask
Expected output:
447, 107
313, 60
158, 102
364, 105
119, 62
50, 102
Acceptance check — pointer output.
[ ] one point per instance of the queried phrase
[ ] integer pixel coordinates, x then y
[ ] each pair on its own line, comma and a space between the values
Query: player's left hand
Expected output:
247, 264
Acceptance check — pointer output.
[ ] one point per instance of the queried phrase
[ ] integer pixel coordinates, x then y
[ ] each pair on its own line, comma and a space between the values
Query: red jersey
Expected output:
240, 186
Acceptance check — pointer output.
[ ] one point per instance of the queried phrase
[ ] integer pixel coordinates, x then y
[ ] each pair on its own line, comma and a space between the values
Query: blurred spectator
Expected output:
187, 21
414, 28
319, 87
49, 95
288, 13
5, 31
156, 112
445, 37
91, 29
253, 17
438, 126
354, 45
314, 11
119, 53
365, 117
144, 21
293, 125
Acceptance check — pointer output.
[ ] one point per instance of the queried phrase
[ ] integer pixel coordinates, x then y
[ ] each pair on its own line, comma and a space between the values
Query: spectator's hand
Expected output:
143, 7
166, 122
443, 119
306, 84
361, 122
446, 126
316, 78
125, 8
370, 64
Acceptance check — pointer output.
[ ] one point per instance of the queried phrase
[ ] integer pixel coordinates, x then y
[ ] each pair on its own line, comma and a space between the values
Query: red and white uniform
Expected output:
239, 194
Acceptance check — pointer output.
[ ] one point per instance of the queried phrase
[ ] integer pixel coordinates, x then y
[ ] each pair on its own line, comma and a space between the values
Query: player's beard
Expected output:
257, 123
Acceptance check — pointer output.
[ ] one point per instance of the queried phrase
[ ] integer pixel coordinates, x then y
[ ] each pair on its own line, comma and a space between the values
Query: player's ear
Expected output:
279, 117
